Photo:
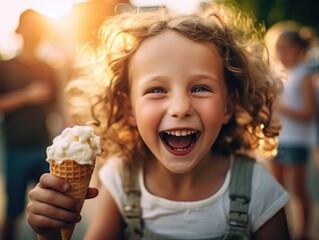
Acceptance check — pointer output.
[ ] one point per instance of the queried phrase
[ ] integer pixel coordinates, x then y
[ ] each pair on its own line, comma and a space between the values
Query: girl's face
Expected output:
178, 99
287, 52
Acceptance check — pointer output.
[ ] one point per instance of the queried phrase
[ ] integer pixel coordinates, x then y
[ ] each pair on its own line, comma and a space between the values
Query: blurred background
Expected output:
72, 23
62, 12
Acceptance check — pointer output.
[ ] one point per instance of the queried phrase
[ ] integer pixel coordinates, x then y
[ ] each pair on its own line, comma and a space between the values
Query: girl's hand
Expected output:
50, 209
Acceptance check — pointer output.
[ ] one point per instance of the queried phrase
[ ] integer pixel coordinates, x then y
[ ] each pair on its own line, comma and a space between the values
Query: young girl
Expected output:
296, 111
183, 96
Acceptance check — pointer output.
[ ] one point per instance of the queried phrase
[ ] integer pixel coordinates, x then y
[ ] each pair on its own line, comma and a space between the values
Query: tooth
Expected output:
179, 133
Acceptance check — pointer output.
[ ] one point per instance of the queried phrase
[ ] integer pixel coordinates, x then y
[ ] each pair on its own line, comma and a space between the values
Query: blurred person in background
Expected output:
313, 168
296, 111
28, 94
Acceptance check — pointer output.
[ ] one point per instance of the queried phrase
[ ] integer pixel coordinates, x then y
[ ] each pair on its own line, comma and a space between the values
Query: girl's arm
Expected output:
107, 222
275, 228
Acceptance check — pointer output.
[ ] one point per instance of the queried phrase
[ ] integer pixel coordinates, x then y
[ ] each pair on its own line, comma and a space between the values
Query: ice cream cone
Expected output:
78, 176
72, 157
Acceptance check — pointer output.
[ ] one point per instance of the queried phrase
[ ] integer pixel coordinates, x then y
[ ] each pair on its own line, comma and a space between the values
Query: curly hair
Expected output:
249, 81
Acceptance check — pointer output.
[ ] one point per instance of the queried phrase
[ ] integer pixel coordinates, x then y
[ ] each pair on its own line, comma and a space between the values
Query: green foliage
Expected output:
272, 11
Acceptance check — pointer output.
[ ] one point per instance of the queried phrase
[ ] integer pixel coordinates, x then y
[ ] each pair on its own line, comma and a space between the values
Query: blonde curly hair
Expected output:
249, 81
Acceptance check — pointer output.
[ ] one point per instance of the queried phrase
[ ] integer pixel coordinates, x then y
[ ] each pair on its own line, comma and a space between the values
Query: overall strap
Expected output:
132, 209
239, 194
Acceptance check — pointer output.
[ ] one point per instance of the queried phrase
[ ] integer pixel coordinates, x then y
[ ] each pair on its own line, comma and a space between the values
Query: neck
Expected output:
203, 181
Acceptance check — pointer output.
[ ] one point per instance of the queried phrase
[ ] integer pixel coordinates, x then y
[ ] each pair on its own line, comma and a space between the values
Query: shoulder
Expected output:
267, 198
110, 177
110, 171
264, 182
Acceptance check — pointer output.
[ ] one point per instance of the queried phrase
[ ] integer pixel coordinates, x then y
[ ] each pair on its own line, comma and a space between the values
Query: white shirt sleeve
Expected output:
111, 180
267, 197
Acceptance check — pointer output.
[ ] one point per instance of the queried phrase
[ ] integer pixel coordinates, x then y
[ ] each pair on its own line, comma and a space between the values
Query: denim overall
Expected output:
239, 194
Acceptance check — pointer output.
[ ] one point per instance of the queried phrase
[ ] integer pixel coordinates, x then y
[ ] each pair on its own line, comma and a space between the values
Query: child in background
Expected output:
183, 96
296, 111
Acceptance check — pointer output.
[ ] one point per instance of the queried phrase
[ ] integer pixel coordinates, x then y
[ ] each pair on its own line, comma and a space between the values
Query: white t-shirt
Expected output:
295, 132
202, 219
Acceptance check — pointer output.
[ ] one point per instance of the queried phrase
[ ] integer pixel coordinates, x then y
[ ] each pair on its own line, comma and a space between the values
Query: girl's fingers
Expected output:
92, 193
50, 181
49, 207
54, 213
54, 198
43, 221
51, 190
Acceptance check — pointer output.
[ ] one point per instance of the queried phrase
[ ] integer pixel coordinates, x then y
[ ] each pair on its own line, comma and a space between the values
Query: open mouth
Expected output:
179, 140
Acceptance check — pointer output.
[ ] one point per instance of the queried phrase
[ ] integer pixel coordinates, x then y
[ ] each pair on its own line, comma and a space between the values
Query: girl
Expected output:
185, 94
296, 111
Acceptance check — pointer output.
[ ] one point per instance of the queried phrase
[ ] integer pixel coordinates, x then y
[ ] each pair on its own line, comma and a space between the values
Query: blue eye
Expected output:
156, 90
200, 89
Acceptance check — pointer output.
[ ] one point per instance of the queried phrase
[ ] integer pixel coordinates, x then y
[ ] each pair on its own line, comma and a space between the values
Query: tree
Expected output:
272, 11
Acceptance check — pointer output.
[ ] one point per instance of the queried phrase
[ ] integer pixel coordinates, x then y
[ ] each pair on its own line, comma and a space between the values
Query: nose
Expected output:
180, 106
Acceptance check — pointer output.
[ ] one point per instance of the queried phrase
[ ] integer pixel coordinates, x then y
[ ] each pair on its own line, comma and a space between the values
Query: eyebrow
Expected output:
159, 77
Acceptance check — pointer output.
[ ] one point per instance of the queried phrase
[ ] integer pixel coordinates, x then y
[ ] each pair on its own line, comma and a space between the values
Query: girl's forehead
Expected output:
172, 40
171, 53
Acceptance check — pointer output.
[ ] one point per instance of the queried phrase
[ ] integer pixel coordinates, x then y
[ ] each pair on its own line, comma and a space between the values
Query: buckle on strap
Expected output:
133, 209
238, 219
242, 198
238, 214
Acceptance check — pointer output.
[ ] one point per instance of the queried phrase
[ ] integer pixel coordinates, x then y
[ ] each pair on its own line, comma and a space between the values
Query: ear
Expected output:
128, 112
229, 110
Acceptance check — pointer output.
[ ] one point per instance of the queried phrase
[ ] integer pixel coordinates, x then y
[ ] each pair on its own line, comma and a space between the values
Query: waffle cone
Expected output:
78, 176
